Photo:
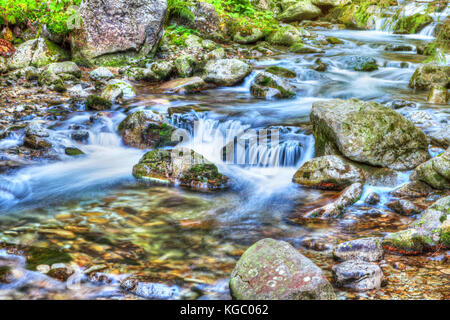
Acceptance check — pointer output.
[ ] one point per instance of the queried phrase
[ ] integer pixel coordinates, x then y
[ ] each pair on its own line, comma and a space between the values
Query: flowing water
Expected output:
92, 207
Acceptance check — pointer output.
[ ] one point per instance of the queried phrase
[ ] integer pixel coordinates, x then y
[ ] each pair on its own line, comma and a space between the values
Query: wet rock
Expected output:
116, 89
320, 66
428, 75
300, 47
57, 73
180, 166
80, 135
185, 65
404, 207
162, 69
101, 74
298, 11
281, 72
413, 189
334, 40
367, 249
358, 275
183, 86
373, 198
334, 209
274, 270
253, 37
141, 74
267, 85
412, 24
285, 36
216, 54
423, 234
61, 272
397, 104
441, 138
328, 172
35, 129
146, 129
35, 142
435, 172
150, 290
98, 103
438, 95
226, 72
327, 4
73, 152
399, 47
113, 27
367, 132
37, 53
360, 63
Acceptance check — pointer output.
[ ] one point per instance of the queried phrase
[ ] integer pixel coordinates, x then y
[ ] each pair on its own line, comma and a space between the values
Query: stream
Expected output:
189, 242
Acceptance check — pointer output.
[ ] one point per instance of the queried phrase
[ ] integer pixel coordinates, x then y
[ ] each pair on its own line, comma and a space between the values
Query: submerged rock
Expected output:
366, 249
328, 172
146, 129
184, 167
367, 132
226, 72
435, 172
360, 63
267, 85
150, 290
300, 47
428, 75
274, 270
358, 275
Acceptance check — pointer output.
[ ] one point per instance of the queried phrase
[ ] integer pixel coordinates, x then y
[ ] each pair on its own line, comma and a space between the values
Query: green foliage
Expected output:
177, 35
180, 8
54, 13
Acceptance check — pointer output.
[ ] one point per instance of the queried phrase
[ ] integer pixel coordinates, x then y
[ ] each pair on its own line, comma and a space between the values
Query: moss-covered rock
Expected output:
73, 152
254, 36
367, 132
285, 36
116, 89
438, 95
274, 270
141, 74
146, 129
185, 65
435, 172
299, 11
184, 85
226, 72
182, 167
328, 172
300, 47
94, 102
101, 74
360, 63
412, 24
267, 85
281, 72
334, 40
428, 75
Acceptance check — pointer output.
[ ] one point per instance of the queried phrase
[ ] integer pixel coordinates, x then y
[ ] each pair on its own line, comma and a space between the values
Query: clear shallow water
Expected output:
192, 240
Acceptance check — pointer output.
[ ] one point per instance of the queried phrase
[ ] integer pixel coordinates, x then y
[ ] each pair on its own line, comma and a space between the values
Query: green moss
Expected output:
281, 72
97, 103
73, 152
412, 24
49, 256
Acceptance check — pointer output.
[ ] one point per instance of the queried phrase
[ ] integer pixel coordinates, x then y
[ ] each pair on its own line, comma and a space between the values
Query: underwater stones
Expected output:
267, 85
94, 102
116, 89
366, 249
302, 10
360, 63
118, 26
183, 85
404, 207
428, 75
226, 72
358, 275
253, 37
328, 172
145, 129
274, 270
38, 53
101, 74
349, 196
435, 172
73, 152
367, 132
438, 95
182, 167
400, 47
334, 40
412, 24
150, 290
423, 234
285, 36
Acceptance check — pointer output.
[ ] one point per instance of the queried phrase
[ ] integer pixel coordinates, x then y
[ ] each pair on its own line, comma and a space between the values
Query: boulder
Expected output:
281, 72
366, 249
326, 4
303, 10
58, 72
300, 47
373, 198
428, 75
205, 18
101, 73
274, 270
328, 172
438, 95
180, 166
118, 26
183, 85
226, 72
185, 65
97, 103
146, 130
268, 85
141, 74
253, 37
116, 89
367, 132
404, 207
285, 36
440, 138
37, 53
358, 275
435, 172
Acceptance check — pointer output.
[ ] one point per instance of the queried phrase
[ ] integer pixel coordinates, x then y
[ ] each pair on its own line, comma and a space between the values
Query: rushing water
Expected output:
193, 240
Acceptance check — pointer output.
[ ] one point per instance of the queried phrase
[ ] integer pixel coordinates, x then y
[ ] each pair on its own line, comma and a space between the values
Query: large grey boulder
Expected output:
428, 75
226, 72
274, 270
367, 132
328, 172
302, 10
117, 26
435, 172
